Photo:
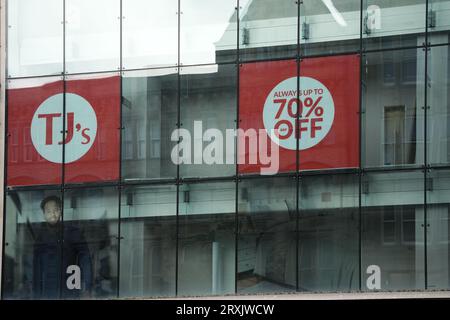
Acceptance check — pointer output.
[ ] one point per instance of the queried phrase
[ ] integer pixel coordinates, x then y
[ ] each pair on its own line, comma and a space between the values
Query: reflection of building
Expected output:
197, 229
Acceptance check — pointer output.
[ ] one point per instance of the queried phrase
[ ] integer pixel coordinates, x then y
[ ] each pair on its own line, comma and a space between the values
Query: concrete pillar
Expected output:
2, 120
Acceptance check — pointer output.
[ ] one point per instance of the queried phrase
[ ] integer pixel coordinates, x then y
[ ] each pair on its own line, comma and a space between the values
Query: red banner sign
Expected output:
35, 131
321, 120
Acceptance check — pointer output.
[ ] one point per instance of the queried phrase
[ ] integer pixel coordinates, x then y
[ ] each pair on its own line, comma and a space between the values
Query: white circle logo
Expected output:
47, 126
314, 104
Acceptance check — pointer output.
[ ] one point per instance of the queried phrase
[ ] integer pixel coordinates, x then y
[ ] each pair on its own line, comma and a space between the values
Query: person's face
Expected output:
52, 212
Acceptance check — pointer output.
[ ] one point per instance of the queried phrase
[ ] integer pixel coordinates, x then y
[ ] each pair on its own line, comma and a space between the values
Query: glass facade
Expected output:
267, 235
126, 127
328, 252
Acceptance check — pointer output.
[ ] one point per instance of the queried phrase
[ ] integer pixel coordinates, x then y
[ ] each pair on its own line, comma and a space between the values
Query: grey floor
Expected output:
330, 296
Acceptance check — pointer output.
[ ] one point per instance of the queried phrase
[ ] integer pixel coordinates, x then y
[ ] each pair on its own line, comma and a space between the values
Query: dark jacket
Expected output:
52, 257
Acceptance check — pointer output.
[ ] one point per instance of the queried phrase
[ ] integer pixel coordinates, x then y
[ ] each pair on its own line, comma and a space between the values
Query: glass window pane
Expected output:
438, 21
32, 256
35, 37
91, 240
392, 231
328, 101
93, 128
149, 117
438, 114
208, 31
208, 113
329, 27
258, 147
206, 247
148, 247
329, 221
267, 235
438, 223
150, 33
35, 123
389, 24
330, 104
267, 29
393, 114
92, 35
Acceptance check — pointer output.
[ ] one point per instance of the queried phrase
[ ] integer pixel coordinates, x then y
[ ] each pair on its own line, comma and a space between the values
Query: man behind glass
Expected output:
48, 254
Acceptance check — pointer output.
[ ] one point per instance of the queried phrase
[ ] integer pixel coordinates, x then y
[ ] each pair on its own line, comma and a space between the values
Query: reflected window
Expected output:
389, 224
392, 103
149, 117
399, 143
